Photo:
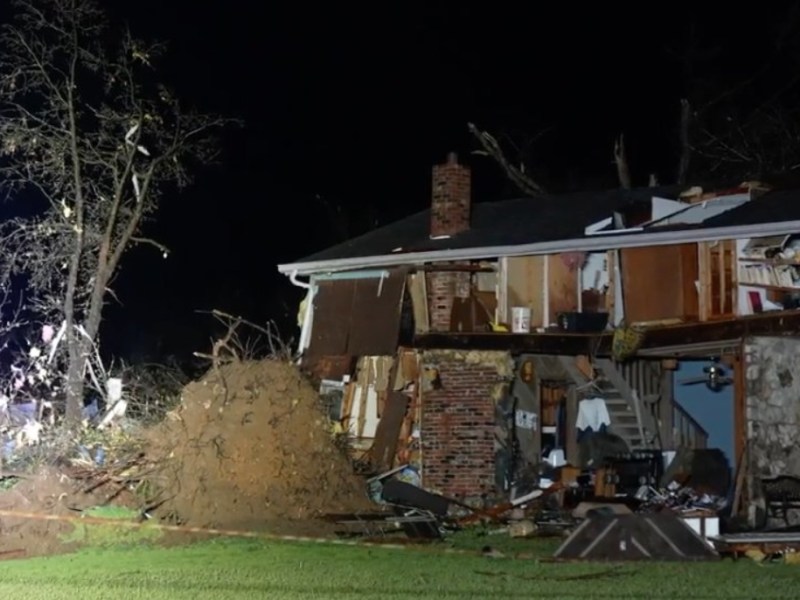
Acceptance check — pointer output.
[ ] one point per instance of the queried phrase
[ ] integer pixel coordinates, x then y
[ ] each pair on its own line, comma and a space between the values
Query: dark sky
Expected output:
349, 107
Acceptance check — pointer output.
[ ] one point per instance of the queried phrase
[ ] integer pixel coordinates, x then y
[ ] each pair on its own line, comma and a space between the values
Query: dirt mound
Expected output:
250, 446
46, 493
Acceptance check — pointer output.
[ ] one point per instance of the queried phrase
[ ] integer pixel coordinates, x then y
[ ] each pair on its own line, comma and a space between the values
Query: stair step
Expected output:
622, 415
616, 402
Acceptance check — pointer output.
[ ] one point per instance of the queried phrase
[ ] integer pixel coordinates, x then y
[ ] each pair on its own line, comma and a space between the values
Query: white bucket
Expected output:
520, 319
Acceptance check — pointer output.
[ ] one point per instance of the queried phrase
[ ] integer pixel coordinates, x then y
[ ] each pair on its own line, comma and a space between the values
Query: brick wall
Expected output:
443, 287
451, 197
441, 291
457, 430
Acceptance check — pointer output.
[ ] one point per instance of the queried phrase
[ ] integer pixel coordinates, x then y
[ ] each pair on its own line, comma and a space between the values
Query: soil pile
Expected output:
249, 447
45, 494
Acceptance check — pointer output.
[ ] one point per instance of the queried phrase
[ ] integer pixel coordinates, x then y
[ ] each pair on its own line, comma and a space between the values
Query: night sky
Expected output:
347, 109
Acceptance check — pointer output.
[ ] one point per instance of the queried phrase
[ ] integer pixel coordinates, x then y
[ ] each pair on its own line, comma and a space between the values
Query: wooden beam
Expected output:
599, 344
571, 451
541, 343
666, 411
739, 405
777, 323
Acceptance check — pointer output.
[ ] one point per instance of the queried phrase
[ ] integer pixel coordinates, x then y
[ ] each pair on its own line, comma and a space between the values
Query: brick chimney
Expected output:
451, 197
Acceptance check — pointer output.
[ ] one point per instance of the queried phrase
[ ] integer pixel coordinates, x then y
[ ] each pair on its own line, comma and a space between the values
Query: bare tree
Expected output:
516, 173
90, 142
751, 143
684, 134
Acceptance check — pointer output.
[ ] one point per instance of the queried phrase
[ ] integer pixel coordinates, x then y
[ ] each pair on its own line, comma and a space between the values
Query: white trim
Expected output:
609, 242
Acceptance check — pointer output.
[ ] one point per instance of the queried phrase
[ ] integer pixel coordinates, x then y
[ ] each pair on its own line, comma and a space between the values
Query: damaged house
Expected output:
484, 343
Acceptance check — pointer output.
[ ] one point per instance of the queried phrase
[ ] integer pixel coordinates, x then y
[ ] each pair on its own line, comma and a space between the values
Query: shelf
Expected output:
768, 286
772, 261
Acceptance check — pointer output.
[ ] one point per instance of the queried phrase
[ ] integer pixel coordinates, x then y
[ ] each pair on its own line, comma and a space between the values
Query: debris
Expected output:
520, 529
635, 537
585, 509
490, 552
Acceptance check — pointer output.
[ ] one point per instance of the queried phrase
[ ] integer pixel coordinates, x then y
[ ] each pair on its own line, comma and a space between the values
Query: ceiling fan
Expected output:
715, 377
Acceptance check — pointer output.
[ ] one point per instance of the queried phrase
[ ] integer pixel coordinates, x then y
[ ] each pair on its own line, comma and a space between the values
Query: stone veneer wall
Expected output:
772, 410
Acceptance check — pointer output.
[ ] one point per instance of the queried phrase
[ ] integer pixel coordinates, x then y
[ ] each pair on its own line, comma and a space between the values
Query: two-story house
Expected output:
467, 338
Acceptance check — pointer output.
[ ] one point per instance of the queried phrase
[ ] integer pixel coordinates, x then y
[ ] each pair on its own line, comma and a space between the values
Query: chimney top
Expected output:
450, 205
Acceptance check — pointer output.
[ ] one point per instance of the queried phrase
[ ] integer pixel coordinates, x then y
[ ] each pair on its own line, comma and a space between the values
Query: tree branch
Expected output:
492, 148
686, 148
158, 245
621, 160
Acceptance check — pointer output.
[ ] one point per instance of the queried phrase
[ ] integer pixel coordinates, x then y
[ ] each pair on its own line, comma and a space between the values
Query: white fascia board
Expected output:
587, 244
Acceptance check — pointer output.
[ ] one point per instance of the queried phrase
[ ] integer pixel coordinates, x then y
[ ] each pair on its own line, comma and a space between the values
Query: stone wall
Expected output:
772, 410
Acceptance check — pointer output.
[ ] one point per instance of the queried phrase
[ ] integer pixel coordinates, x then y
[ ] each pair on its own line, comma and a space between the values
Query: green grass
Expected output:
101, 535
228, 569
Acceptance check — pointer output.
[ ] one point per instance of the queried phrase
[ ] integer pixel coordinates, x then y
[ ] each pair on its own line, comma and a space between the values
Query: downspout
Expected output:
297, 282
308, 317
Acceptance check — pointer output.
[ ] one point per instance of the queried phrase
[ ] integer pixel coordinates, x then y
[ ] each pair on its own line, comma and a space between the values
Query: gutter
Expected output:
584, 244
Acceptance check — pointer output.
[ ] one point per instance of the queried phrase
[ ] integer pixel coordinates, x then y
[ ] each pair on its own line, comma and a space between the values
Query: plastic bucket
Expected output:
520, 319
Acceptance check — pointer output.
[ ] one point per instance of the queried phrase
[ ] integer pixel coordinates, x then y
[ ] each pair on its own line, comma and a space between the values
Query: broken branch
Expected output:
492, 148
158, 245
621, 160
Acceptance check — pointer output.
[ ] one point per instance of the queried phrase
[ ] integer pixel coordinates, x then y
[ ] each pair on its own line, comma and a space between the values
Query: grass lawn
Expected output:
223, 569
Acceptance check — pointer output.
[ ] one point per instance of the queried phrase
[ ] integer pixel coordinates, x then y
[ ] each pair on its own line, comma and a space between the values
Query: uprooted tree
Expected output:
90, 143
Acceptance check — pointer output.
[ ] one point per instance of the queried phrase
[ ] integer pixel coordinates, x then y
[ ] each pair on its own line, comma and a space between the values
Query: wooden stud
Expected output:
723, 291
571, 417
666, 412
734, 278
739, 403
611, 292
704, 293
347, 409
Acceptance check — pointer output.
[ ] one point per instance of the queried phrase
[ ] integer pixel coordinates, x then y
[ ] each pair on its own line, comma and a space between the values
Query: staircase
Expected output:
631, 417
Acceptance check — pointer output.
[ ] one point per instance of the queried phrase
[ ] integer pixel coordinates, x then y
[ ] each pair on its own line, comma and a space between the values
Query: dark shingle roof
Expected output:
506, 222
552, 218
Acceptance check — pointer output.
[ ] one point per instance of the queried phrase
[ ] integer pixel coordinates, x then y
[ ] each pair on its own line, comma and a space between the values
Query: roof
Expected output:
516, 221
554, 223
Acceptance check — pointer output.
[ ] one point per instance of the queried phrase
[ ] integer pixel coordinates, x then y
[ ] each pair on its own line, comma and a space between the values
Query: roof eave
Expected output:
583, 244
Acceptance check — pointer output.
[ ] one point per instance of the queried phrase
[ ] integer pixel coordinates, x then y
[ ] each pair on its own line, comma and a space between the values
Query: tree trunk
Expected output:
75, 382
79, 347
